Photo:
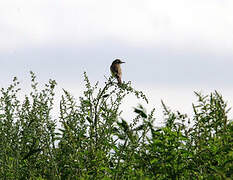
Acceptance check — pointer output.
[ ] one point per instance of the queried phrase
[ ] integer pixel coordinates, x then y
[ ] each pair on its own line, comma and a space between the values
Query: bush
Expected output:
95, 143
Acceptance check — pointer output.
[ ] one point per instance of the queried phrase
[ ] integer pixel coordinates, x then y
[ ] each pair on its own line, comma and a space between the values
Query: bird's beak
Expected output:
122, 62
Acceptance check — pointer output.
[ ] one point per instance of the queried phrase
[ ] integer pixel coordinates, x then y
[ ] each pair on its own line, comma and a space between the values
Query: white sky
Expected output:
181, 24
178, 45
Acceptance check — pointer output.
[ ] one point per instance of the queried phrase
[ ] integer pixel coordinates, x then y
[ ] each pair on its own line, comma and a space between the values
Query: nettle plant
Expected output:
100, 142
27, 131
88, 139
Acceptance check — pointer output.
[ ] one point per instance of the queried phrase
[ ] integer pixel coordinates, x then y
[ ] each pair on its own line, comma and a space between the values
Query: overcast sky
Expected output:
171, 47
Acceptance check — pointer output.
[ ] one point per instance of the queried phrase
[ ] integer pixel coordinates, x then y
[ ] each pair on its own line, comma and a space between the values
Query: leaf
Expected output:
124, 125
86, 103
89, 119
105, 95
141, 127
140, 112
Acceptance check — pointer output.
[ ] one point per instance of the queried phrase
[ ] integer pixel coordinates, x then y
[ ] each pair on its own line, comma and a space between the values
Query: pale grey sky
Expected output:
171, 47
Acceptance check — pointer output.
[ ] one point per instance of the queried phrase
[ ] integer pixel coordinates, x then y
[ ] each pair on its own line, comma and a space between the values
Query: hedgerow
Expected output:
88, 139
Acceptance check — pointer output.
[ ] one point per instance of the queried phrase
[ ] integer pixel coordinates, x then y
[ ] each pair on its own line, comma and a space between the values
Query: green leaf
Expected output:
140, 112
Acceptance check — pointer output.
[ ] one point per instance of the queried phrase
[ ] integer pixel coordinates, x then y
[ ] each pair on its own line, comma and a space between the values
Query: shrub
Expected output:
94, 142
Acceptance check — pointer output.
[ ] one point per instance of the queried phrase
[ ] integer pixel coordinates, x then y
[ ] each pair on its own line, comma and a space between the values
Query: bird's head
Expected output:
118, 61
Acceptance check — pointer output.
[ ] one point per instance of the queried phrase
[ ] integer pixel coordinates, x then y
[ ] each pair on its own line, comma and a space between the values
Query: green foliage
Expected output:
90, 140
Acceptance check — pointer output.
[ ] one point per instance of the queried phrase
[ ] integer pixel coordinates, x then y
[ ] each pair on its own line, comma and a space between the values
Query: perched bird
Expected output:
116, 70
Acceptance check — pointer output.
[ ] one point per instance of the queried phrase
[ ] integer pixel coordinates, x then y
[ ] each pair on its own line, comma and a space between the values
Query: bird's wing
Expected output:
115, 70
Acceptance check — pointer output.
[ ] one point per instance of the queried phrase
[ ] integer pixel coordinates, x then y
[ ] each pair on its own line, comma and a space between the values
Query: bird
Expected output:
115, 69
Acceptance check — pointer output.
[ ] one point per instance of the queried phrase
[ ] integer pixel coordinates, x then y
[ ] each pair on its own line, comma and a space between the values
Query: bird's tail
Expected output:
119, 80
